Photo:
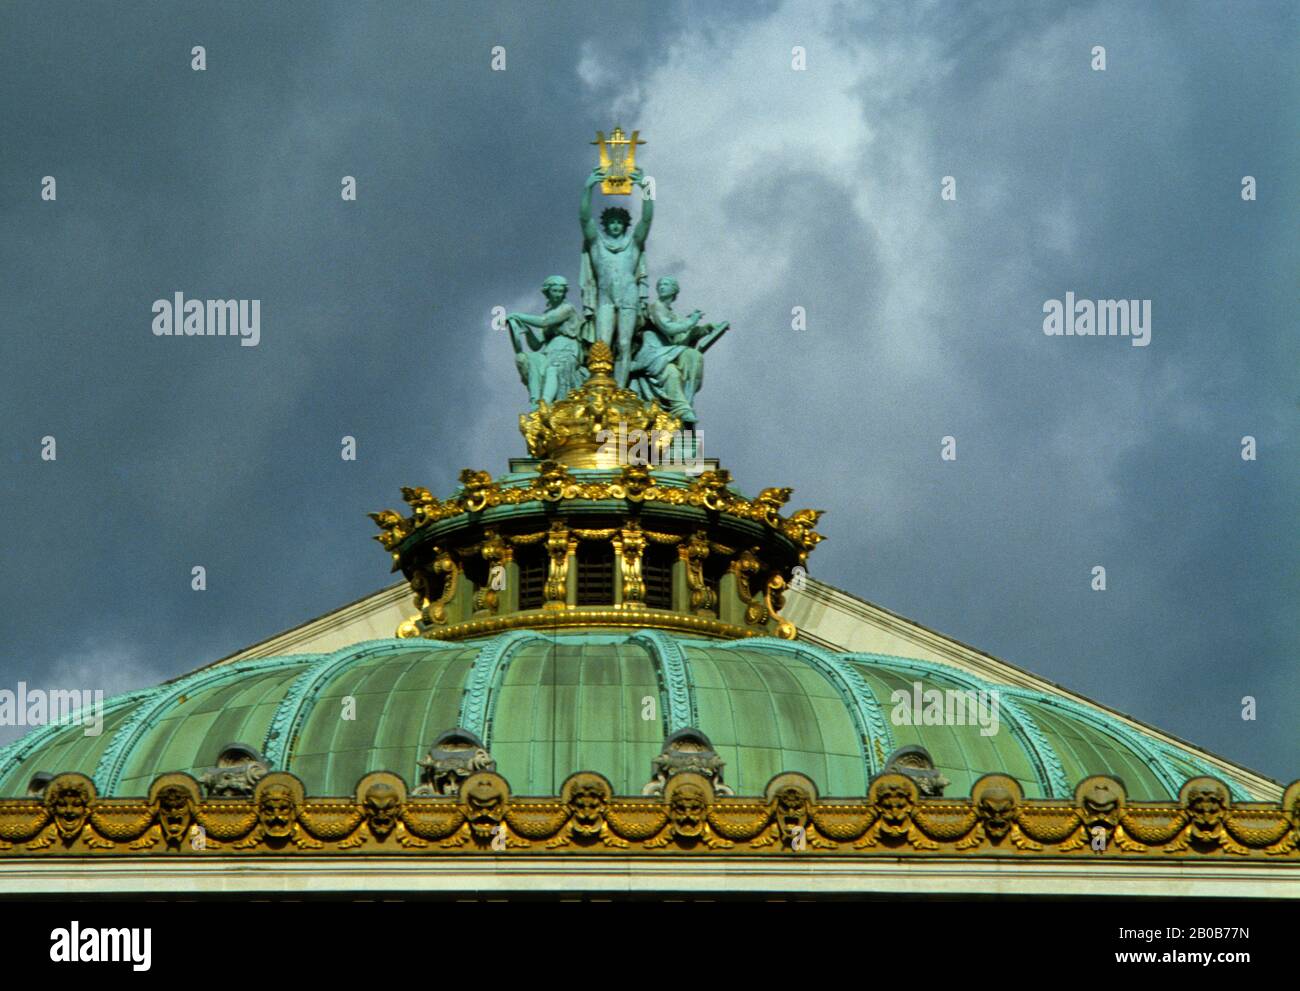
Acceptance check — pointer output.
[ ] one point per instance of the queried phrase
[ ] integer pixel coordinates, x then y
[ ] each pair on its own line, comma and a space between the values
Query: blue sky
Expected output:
776, 188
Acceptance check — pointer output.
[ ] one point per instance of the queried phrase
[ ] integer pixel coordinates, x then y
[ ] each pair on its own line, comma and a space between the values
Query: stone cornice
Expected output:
759, 876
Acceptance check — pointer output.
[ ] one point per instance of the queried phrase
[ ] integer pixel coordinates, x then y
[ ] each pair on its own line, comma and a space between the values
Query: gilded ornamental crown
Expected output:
574, 430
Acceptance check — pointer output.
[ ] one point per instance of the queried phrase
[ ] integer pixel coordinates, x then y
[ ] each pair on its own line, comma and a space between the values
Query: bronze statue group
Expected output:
657, 354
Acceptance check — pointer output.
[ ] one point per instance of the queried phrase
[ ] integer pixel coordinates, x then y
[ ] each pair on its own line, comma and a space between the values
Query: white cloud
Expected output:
910, 299
95, 667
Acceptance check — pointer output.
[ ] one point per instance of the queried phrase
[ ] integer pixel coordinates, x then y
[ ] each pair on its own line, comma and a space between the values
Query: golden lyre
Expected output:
618, 159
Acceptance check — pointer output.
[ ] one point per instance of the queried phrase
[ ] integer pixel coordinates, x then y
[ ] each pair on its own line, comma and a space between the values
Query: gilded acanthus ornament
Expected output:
693, 552
636, 484
630, 545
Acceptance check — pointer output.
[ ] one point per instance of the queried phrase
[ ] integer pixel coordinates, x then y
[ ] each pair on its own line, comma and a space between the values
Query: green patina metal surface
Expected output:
574, 703
770, 710
675, 680
490, 665
549, 705
872, 729
195, 715
64, 746
1019, 742
403, 693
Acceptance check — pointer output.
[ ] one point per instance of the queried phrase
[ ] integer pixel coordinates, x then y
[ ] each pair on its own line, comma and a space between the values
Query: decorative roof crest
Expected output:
576, 430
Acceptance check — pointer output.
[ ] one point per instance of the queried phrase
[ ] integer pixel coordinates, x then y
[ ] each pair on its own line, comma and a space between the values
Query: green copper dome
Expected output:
546, 706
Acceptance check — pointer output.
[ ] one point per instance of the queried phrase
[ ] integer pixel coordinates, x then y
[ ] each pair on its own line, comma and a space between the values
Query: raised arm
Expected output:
642, 230
589, 231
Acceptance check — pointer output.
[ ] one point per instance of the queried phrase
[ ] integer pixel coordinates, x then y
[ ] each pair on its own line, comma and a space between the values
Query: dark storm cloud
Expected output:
775, 189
